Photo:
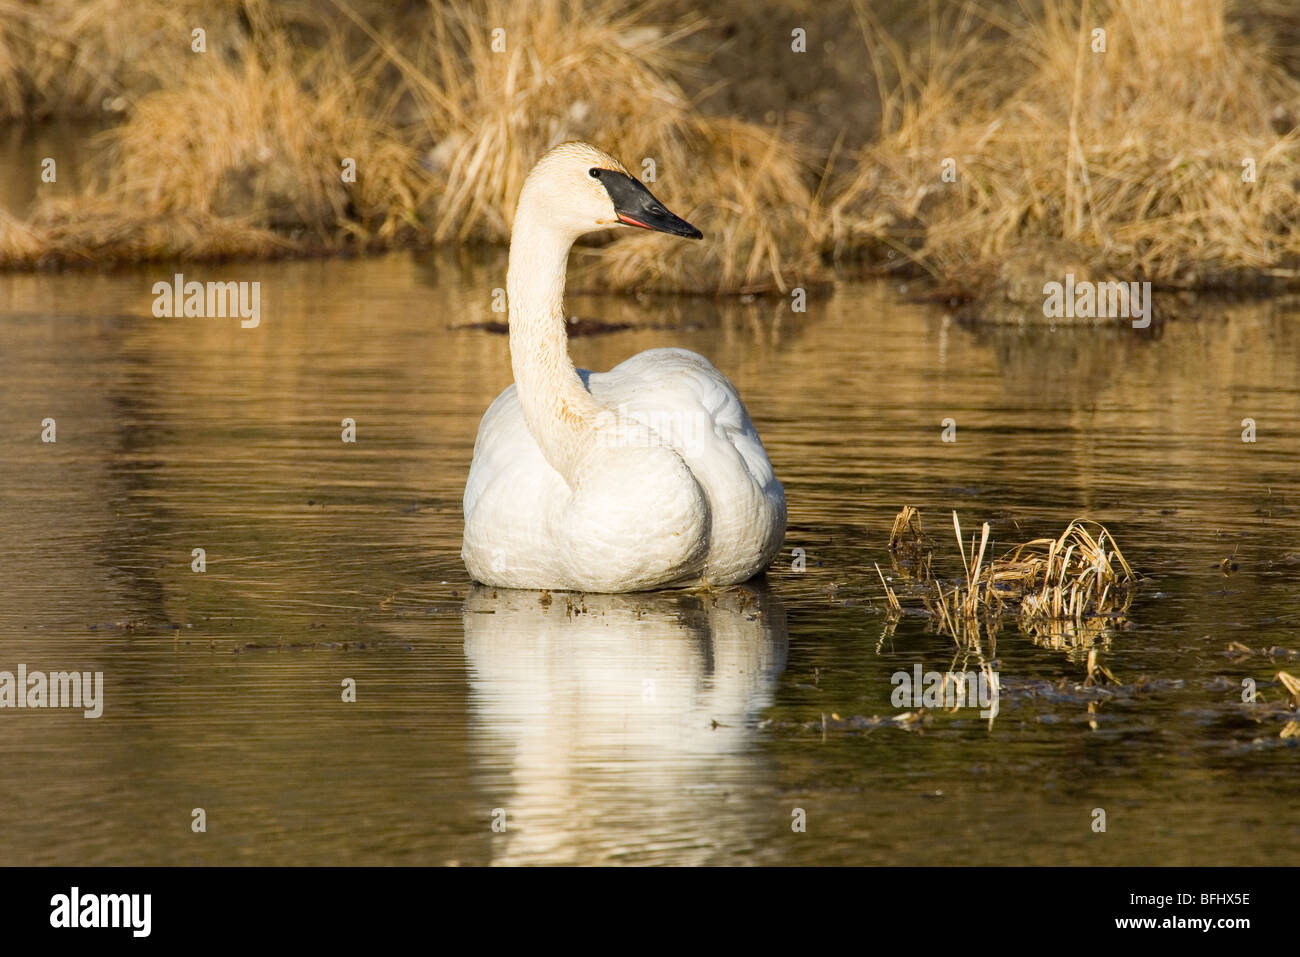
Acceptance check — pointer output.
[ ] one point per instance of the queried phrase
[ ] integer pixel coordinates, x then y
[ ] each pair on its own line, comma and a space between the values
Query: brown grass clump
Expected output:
268, 142
1126, 163
19, 242
242, 157
97, 231
252, 141
1063, 591
603, 72
78, 58
499, 83
238, 151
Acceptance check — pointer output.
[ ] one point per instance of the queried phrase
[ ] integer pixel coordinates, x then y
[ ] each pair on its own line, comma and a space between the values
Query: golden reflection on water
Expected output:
328, 561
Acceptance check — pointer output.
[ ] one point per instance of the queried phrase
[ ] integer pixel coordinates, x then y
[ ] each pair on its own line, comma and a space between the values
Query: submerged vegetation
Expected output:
1016, 142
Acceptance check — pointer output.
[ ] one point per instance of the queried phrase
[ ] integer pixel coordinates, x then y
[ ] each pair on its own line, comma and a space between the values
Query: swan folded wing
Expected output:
633, 518
511, 500
689, 405
503, 447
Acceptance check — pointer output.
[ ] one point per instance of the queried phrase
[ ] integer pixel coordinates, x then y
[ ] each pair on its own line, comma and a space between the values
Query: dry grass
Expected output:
597, 71
78, 58
1292, 685
97, 232
605, 73
283, 131
1120, 165
1125, 164
1063, 591
238, 151
19, 242
239, 156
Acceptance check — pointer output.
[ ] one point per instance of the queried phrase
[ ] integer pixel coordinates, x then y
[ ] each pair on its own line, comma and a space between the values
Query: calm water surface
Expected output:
667, 728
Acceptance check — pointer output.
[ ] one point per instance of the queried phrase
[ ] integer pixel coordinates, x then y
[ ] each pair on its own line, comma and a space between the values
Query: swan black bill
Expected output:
636, 206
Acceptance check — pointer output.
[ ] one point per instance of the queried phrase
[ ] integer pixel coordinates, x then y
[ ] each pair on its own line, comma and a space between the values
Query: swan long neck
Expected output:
560, 412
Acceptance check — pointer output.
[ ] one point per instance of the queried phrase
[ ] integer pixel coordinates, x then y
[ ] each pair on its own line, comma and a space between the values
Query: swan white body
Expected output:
650, 475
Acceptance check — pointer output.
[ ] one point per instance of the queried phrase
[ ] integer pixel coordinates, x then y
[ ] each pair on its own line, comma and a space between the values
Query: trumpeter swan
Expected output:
646, 476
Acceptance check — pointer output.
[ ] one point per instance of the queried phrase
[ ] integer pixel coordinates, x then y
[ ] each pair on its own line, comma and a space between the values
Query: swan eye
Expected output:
595, 172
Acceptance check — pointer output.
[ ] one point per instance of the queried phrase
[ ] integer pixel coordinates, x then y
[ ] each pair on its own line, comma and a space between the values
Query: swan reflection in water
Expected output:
620, 727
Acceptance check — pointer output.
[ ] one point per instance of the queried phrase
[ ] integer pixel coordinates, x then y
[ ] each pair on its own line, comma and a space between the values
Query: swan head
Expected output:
582, 189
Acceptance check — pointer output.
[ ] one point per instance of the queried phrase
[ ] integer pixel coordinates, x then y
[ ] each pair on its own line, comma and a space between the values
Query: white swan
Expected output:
646, 476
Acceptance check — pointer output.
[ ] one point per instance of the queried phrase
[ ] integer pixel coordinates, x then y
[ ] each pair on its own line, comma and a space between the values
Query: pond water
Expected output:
668, 728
